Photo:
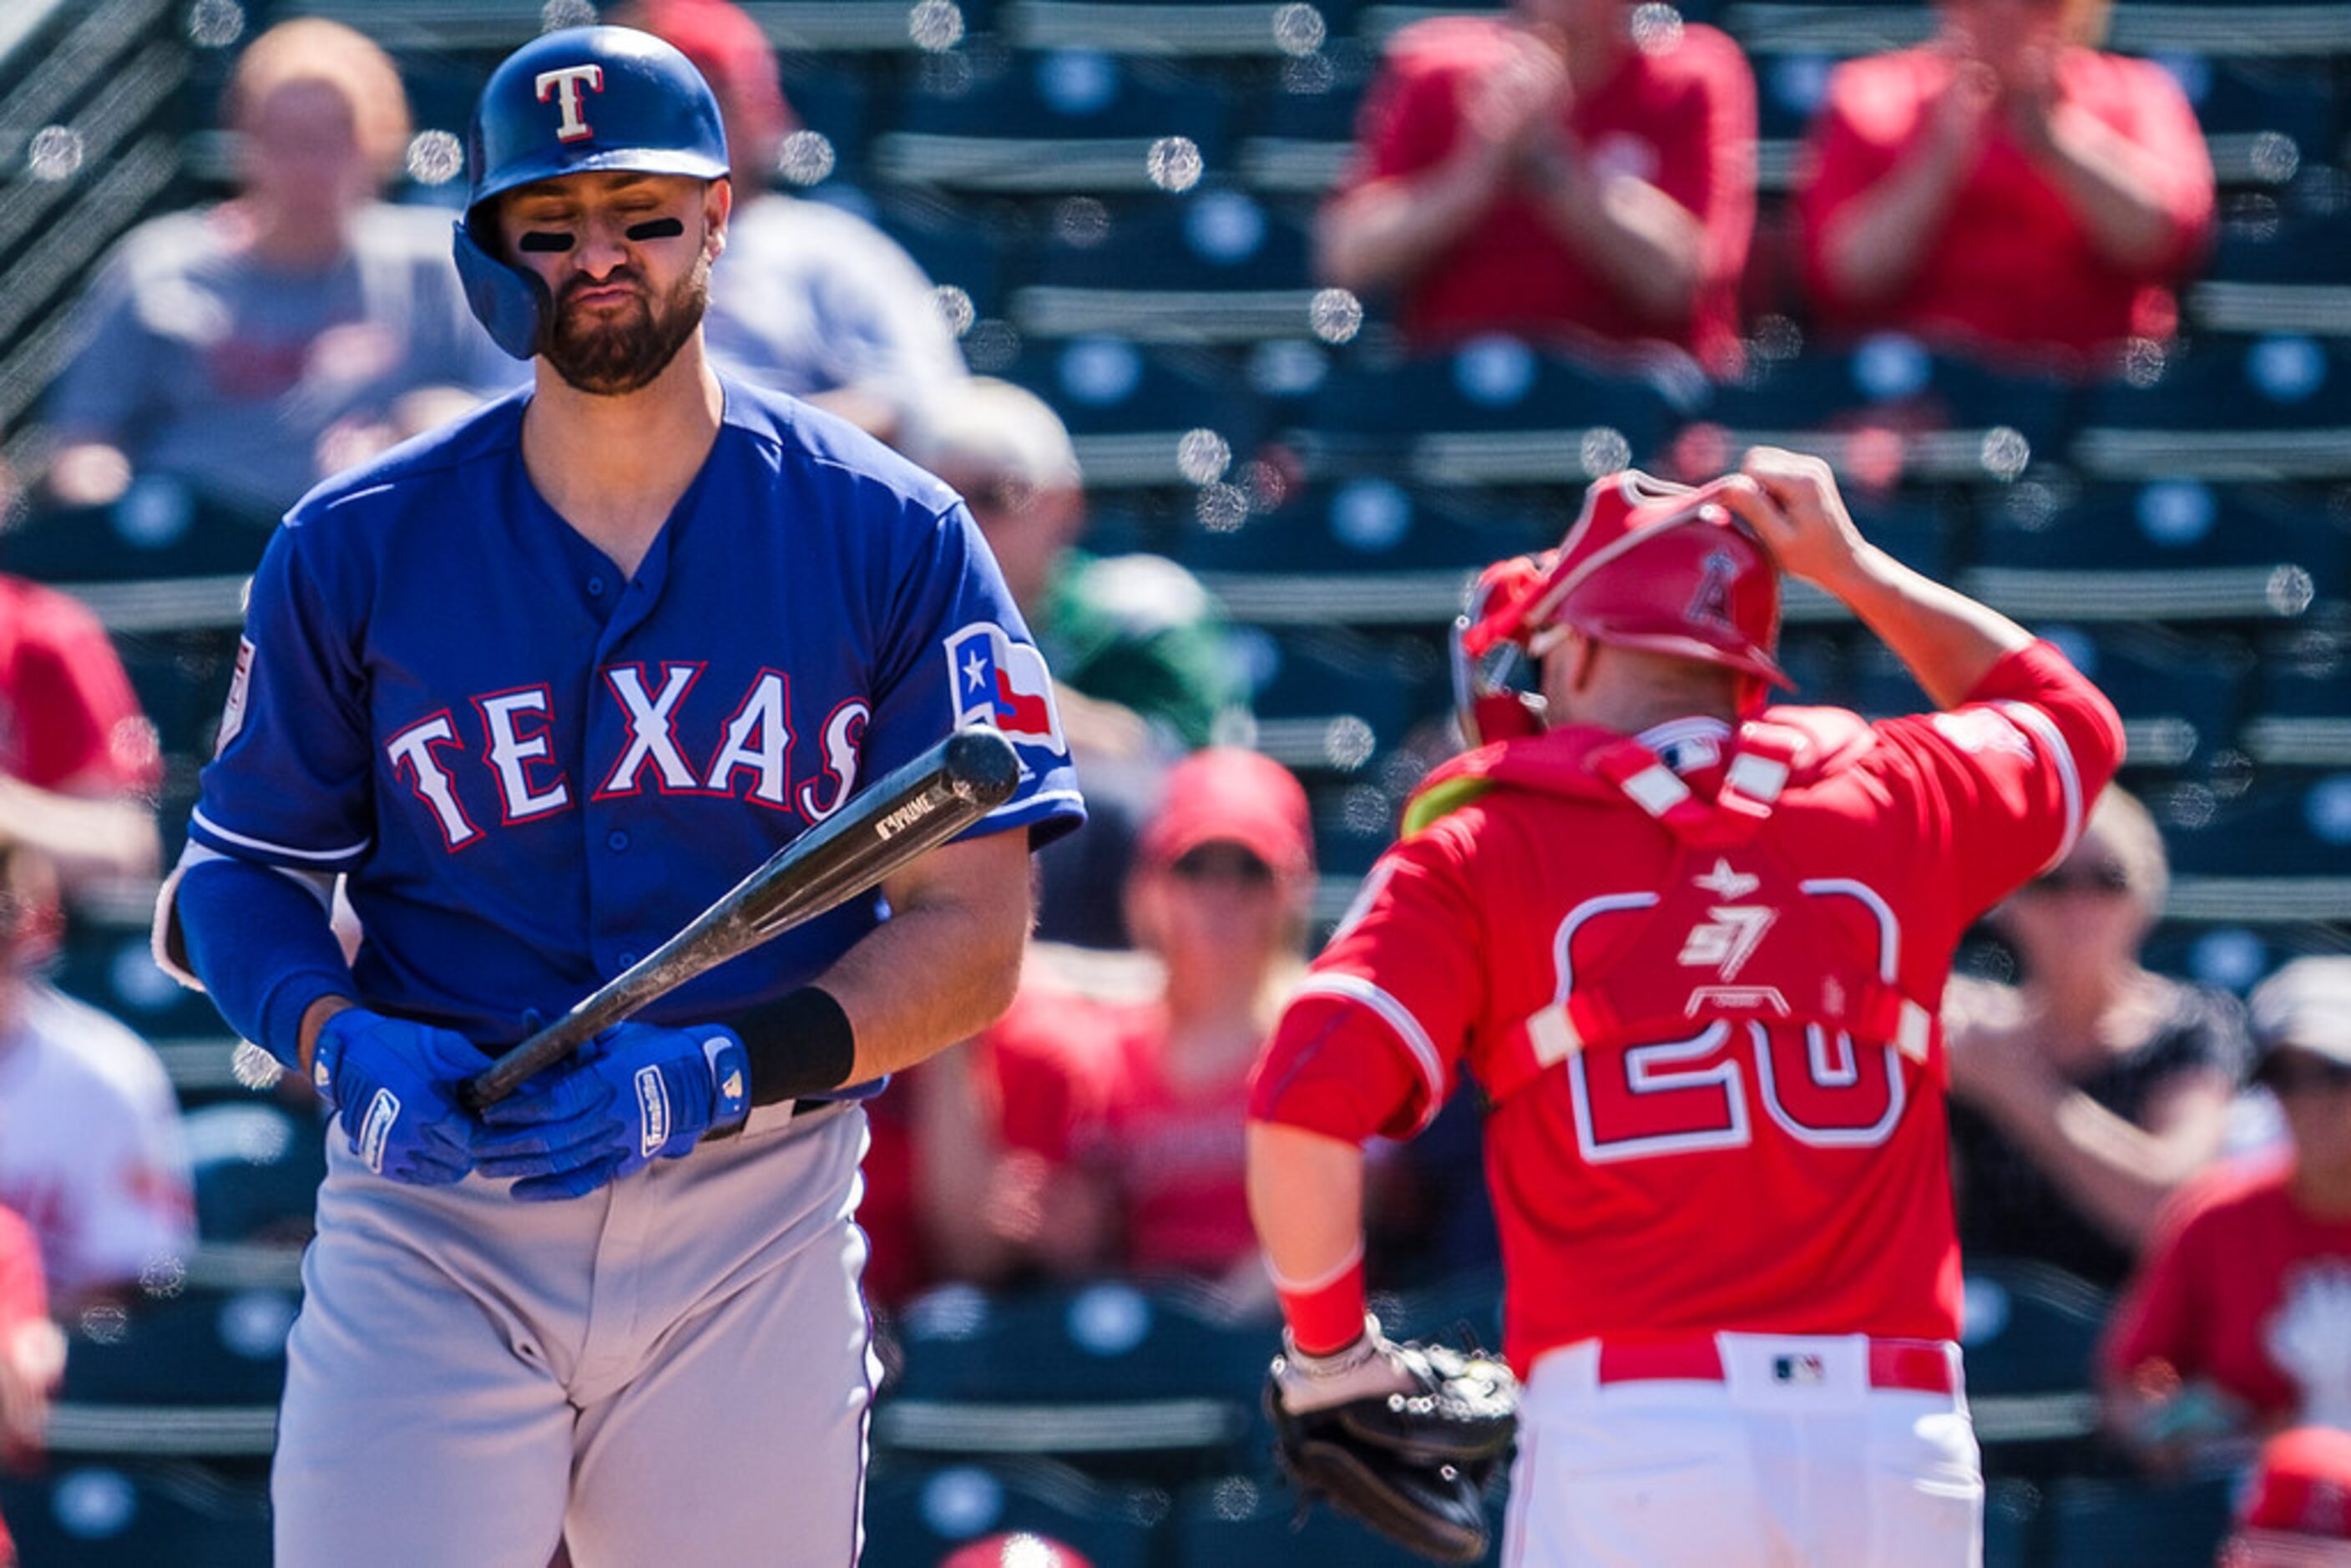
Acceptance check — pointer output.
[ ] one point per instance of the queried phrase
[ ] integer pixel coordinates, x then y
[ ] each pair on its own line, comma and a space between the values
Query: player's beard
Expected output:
625, 351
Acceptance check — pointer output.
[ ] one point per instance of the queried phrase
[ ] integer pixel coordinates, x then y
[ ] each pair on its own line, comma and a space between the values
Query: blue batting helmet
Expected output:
571, 102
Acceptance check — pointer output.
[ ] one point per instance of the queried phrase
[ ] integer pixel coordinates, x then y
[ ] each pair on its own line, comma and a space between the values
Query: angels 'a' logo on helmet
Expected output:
1710, 601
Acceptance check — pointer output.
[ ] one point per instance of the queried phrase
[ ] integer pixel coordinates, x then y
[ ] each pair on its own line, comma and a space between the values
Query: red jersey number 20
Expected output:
1712, 1090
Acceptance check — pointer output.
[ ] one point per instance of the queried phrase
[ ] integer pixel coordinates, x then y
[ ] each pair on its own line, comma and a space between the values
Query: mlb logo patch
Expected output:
1005, 684
1798, 1371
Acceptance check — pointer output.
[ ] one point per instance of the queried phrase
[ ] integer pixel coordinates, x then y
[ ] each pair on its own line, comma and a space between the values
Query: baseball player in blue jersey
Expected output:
539, 687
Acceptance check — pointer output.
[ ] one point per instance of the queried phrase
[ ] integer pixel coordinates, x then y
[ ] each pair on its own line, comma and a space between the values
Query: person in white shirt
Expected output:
91, 1148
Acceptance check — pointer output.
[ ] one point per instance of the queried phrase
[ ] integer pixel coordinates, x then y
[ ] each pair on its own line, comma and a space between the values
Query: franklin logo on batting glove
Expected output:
382, 1113
653, 1110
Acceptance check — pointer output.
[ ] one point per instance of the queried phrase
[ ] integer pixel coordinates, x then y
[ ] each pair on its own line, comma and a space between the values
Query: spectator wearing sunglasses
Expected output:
2006, 187
2086, 1092
2240, 1322
1099, 1124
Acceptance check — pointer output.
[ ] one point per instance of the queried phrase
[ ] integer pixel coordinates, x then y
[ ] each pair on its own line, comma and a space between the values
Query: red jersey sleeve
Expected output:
2154, 115
2005, 780
1373, 1039
24, 1296
1041, 1065
84, 730
1412, 115
1709, 162
2158, 1318
1865, 120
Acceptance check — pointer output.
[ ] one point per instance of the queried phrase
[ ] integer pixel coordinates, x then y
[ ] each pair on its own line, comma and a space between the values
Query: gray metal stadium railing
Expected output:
122, 63
1245, 29
492, 26
1165, 316
2320, 309
2231, 31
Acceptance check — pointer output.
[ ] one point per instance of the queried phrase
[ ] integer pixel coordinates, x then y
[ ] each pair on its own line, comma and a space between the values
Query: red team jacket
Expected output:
1700, 998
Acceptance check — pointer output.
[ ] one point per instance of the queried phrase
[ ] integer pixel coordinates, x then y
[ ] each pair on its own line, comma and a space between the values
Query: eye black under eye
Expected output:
655, 228
546, 240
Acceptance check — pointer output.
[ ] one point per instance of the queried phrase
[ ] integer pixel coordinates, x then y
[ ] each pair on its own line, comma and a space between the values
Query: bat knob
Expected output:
981, 766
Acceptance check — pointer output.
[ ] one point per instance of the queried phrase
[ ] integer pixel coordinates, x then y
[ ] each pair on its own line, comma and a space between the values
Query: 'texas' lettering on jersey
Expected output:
510, 737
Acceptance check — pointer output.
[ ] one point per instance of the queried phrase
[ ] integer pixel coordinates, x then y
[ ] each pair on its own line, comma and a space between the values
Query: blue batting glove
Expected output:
393, 1085
639, 1093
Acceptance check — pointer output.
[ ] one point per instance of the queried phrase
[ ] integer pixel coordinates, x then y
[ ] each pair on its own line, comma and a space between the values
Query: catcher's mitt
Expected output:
1403, 1436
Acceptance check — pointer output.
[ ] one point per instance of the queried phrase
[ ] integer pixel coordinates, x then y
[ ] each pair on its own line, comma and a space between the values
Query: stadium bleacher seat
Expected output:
2275, 243
1197, 28
2269, 822
1328, 699
1790, 86
1145, 416
257, 1166
959, 246
1059, 121
845, 28
2178, 694
181, 679
1214, 267
2298, 715
1494, 412
157, 529
2169, 549
1300, 133
204, 1346
2278, 269
835, 104
135, 1515
1371, 523
107, 960
915, 1515
2128, 1524
1243, 1522
2010, 1507
2028, 1337
1890, 409
2028, 1328
1109, 1375
2271, 407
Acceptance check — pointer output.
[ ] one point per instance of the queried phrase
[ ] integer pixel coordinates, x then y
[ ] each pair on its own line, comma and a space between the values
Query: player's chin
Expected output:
613, 357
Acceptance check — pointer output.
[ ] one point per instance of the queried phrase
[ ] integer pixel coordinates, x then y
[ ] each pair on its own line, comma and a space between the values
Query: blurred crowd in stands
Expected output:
1580, 173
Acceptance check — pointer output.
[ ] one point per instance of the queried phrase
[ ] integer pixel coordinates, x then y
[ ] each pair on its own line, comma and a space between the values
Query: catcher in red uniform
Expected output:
1691, 947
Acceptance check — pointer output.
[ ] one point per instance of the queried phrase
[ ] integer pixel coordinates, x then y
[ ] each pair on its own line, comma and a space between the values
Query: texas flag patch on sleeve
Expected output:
1003, 682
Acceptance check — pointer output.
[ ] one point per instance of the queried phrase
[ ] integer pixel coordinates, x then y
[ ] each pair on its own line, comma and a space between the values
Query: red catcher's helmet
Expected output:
1648, 565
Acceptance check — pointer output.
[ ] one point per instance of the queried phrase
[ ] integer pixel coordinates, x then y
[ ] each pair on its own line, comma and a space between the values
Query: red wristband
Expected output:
1324, 1315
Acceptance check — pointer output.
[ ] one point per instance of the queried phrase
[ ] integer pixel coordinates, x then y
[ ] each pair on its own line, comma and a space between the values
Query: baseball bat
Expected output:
895, 820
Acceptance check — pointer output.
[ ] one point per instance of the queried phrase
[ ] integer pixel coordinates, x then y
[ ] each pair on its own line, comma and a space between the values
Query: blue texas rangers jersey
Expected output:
535, 767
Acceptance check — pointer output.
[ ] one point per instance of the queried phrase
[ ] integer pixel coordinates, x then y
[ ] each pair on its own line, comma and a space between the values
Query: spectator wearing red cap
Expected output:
2296, 1509
2005, 187
2241, 1321
1572, 170
809, 298
1109, 1128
